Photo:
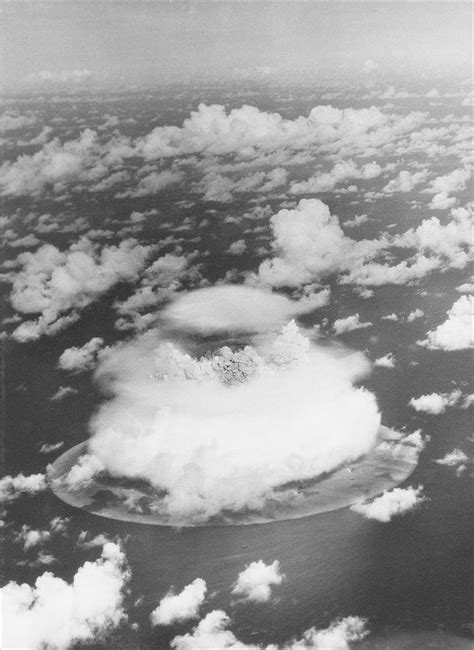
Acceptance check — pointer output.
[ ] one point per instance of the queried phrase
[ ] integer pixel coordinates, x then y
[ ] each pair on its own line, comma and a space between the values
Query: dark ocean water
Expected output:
411, 578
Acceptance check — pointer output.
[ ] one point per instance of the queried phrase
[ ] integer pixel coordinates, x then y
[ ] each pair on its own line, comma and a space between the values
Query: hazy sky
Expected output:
139, 41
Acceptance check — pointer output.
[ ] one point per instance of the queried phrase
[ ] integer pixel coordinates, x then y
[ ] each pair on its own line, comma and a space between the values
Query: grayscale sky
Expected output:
150, 41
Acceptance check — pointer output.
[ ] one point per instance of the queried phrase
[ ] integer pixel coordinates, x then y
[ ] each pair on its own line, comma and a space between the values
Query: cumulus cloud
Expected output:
435, 403
152, 184
413, 315
80, 359
58, 614
182, 606
11, 487
221, 432
59, 284
405, 181
62, 393
238, 308
30, 537
309, 244
11, 121
161, 281
248, 131
49, 448
456, 332
396, 502
340, 172
443, 186
237, 247
256, 580
213, 632
343, 325
455, 459
387, 361
60, 165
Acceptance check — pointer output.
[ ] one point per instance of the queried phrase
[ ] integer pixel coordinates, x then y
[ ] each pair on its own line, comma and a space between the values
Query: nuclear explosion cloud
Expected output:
222, 433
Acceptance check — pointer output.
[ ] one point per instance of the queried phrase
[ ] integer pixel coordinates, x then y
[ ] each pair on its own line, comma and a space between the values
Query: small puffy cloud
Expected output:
80, 359
442, 201
30, 537
396, 502
456, 332
405, 182
343, 325
11, 121
413, 315
237, 247
54, 613
182, 606
466, 287
213, 632
11, 487
358, 220
387, 361
63, 392
49, 448
59, 284
455, 459
443, 186
153, 183
256, 580
341, 171
436, 403
393, 317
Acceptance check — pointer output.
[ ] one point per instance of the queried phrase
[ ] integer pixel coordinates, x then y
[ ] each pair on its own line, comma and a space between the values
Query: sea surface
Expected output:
411, 578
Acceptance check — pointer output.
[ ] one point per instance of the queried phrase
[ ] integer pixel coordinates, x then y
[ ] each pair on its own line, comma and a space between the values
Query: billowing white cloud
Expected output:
238, 308
413, 315
443, 186
57, 614
153, 183
213, 632
237, 247
59, 284
343, 325
180, 607
256, 580
456, 332
309, 244
248, 131
387, 361
435, 403
30, 537
11, 121
11, 487
47, 448
80, 359
341, 171
456, 459
405, 181
162, 280
396, 502
253, 419
60, 165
